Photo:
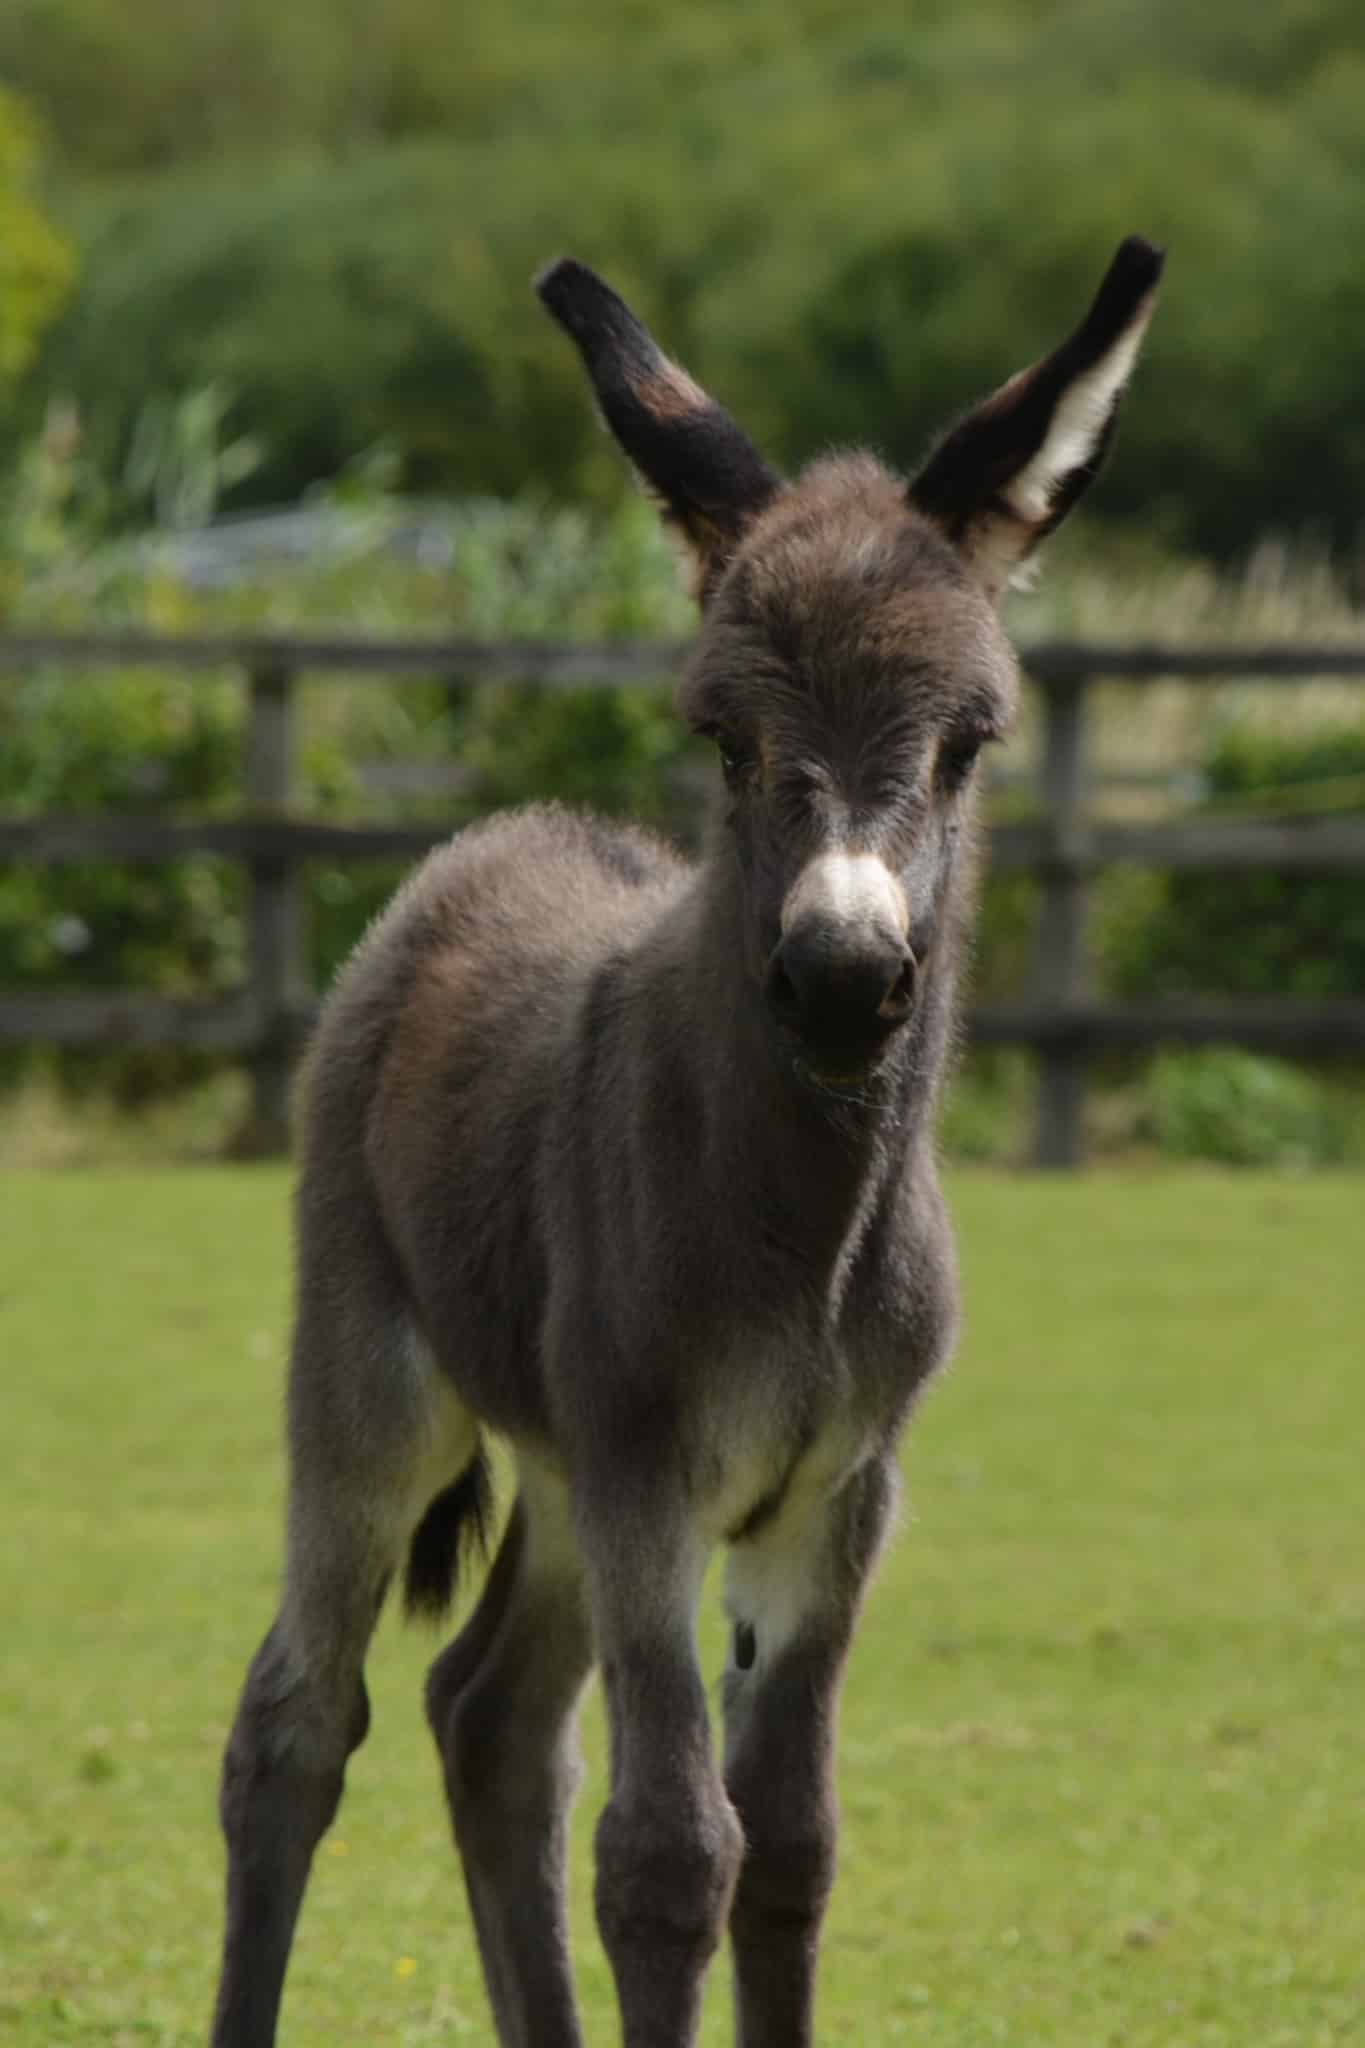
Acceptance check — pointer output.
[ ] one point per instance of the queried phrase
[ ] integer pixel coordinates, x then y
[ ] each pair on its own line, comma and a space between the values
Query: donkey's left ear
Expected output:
1012, 469
707, 474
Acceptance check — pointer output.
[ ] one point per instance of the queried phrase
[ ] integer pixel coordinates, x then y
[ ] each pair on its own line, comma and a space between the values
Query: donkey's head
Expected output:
851, 663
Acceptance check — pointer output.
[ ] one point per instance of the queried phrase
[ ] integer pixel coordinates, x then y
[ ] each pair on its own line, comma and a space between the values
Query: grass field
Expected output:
1101, 1757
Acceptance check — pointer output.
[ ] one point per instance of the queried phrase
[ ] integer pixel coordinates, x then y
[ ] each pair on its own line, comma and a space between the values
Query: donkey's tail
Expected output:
455, 1526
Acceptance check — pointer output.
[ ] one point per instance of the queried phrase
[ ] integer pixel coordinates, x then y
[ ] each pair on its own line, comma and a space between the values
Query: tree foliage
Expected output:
851, 221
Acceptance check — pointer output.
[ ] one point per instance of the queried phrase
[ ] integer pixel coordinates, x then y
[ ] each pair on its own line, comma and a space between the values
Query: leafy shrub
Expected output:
836, 215
136, 743
1239, 1109
1260, 933
986, 1108
1003, 937
149, 742
35, 262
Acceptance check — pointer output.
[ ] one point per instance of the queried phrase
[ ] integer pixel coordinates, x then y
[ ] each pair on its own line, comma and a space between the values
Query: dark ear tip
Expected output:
569, 290
1139, 264
557, 276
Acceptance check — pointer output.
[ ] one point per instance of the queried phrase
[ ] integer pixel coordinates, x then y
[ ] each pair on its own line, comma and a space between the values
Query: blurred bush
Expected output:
1239, 1109
127, 743
35, 262
143, 741
987, 1108
850, 221
1262, 933
150, 742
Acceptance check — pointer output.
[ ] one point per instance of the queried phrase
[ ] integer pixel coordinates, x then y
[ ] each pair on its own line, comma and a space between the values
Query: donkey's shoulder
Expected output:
524, 897
620, 852
541, 873
540, 846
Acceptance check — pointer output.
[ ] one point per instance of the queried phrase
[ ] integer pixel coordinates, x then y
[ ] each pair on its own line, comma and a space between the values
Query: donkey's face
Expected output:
850, 670
851, 664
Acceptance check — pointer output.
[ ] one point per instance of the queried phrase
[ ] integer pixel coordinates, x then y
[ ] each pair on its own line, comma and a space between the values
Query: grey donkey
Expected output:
629, 1164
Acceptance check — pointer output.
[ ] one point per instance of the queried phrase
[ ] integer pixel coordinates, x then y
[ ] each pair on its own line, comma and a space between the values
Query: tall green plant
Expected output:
36, 264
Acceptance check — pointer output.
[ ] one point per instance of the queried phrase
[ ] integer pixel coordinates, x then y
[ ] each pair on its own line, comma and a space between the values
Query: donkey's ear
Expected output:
1012, 469
705, 471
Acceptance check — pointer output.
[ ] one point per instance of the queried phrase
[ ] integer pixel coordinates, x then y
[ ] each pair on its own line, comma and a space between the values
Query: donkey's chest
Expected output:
776, 1436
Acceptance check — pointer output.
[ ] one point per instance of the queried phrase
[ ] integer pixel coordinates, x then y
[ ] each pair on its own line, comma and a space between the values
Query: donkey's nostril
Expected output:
899, 998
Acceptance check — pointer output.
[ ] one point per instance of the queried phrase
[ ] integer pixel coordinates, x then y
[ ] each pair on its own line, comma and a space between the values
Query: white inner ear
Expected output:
1076, 425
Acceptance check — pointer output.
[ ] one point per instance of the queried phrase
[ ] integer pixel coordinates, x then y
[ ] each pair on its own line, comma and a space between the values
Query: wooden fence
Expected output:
1060, 1019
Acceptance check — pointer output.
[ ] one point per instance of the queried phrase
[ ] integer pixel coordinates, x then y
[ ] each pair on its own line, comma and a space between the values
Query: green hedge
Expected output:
851, 221
143, 741
1264, 933
146, 741
1241, 1110
158, 744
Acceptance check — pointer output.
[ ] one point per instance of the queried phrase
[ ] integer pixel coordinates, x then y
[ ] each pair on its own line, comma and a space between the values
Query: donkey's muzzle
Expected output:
842, 993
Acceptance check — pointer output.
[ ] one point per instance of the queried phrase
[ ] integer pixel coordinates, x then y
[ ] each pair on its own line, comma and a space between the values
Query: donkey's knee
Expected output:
281, 1785
787, 1878
285, 1759
666, 1874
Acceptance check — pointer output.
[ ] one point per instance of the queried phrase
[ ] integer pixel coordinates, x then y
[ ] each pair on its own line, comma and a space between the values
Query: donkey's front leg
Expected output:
792, 1592
668, 1844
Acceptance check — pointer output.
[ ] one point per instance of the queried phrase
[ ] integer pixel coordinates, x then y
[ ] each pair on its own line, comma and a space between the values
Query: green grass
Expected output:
1101, 1739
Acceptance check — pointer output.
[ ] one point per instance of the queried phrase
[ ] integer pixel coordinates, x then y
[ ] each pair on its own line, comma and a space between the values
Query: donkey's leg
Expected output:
501, 1702
365, 1459
668, 1843
792, 1593
302, 1711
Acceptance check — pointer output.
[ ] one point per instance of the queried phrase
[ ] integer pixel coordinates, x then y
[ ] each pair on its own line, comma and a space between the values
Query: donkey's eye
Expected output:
957, 758
736, 760
737, 757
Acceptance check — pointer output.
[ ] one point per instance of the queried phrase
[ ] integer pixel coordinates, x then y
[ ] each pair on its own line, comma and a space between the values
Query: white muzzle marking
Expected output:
851, 889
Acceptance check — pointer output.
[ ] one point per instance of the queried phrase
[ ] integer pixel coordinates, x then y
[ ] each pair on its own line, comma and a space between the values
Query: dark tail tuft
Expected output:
457, 1524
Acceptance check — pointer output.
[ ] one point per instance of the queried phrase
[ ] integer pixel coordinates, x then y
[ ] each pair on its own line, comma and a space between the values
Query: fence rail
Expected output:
265, 1022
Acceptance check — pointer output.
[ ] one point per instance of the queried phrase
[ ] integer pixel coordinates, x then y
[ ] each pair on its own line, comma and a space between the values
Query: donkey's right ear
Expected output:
1012, 469
709, 478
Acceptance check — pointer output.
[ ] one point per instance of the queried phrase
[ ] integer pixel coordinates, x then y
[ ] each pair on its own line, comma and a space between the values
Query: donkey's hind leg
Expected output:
501, 1702
372, 1438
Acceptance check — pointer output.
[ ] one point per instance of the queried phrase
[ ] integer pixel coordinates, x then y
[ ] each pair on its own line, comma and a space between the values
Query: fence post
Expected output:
275, 953
1059, 964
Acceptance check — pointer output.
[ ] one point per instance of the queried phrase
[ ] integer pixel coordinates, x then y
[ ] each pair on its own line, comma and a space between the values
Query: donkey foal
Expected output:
630, 1163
